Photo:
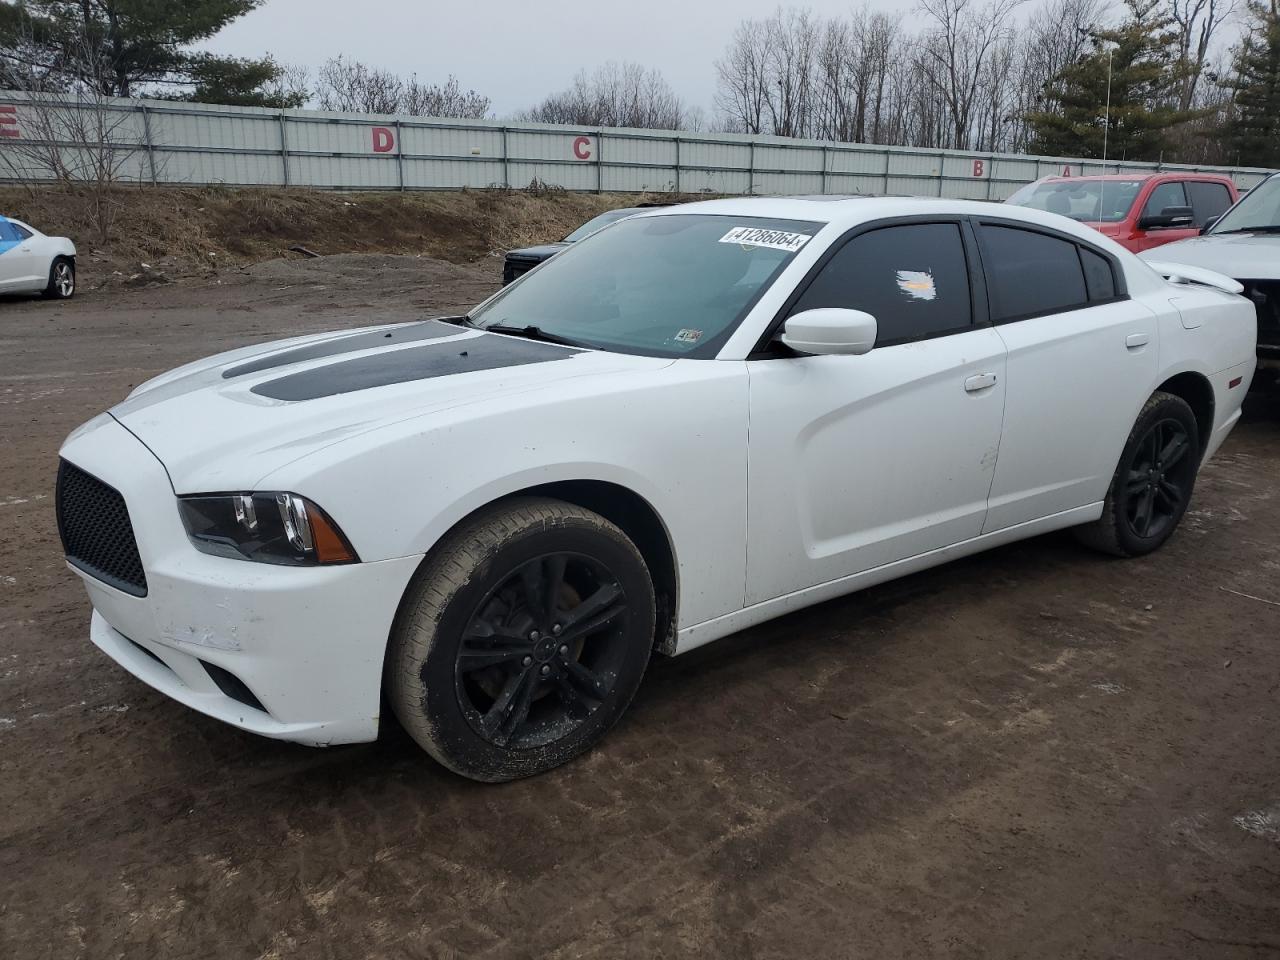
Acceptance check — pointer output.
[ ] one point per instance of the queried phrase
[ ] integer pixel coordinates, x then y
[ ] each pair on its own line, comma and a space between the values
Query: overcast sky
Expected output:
514, 51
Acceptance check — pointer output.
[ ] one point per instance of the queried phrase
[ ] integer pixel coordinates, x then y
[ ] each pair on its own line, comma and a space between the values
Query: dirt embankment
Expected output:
199, 232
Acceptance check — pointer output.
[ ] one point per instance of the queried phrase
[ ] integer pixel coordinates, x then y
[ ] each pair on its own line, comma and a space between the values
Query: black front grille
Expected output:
97, 536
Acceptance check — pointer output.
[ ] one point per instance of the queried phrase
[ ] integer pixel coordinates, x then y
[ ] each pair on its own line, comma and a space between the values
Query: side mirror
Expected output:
1208, 224
1167, 218
830, 330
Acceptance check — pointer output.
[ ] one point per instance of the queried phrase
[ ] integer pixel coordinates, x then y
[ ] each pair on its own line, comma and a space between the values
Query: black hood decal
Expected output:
488, 352
409, 333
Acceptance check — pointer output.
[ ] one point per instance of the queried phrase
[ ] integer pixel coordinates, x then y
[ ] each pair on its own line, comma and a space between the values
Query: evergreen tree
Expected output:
1254, 132
1144, 77
126, 48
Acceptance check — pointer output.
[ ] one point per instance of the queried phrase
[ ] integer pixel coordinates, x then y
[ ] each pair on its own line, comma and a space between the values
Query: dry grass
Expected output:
192, 228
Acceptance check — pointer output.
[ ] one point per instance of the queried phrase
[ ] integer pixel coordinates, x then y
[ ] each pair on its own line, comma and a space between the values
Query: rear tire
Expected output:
1153, 482
62, 279
521, 640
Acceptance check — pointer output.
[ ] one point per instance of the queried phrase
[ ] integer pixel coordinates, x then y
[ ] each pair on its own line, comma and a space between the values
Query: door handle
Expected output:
1135, 340
980, 381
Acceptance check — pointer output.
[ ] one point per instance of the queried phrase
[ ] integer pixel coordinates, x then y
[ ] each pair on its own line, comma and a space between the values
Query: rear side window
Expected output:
1165, 195
914, 279
1208, 200
8, 232
1098, 276
1029, 273
22, 232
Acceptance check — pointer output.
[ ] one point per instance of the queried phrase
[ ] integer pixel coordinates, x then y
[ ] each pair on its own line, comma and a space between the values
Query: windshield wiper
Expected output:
1264, 228
532, 332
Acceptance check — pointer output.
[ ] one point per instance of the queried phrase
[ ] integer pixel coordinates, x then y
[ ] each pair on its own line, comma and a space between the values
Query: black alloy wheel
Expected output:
542, 650
522, 639
1160, 475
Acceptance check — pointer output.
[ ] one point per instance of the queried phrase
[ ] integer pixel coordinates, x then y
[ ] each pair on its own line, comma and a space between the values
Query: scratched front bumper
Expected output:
307, 642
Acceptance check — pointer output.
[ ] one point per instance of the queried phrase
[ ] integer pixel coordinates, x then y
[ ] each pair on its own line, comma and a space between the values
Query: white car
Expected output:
31, 262
697, 419
1244, 244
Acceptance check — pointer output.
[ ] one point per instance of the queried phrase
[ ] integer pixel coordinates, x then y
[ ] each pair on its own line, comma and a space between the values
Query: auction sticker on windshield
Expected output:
759, 237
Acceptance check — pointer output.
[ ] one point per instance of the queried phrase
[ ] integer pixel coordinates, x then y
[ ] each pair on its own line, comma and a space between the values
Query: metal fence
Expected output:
200, 144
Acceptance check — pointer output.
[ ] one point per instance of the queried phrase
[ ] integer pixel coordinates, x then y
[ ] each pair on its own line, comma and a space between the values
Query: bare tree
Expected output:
1196, 22
442, 100
73, 134
350, 86
743, 86
955, 51
614, 95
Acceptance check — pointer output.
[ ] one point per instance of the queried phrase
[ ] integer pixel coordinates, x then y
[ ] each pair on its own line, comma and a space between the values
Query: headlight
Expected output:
267, 527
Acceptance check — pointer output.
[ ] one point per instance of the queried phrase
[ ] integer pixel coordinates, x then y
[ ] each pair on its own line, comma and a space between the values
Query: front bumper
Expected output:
307, 642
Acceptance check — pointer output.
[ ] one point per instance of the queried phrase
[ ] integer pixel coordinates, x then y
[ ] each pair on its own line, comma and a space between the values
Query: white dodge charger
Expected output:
695, 420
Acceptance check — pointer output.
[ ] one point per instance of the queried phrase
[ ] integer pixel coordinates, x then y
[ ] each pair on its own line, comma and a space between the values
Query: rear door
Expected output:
859, 461
1082, 359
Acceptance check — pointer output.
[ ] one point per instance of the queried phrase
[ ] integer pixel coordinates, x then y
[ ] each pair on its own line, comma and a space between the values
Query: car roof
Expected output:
846, 212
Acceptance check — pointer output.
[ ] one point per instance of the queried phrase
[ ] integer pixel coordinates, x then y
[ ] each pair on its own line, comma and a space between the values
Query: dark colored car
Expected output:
520, 262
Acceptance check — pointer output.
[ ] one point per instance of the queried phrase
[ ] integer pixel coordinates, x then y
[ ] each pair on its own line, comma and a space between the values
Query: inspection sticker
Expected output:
688, 336
759, 237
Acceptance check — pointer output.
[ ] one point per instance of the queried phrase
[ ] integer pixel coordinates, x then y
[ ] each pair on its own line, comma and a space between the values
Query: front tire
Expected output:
521, 640
62, 279
1153, 482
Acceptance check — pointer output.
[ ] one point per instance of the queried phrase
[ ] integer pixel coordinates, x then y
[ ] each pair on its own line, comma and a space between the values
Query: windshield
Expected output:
1092, 201
1259, 209
596, 223
662, 286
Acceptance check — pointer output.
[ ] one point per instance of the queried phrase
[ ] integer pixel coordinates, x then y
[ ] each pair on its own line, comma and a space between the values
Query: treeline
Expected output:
1146, 80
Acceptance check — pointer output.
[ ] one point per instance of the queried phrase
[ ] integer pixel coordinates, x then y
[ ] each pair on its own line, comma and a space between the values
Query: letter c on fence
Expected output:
979, 168
582, 148
384, 140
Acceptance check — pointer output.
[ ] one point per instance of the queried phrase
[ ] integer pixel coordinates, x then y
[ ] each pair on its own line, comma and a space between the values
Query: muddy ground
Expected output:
1033, 753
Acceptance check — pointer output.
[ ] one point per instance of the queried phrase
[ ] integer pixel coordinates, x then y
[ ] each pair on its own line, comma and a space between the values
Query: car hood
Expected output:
541, 252
224, 423
1242, 256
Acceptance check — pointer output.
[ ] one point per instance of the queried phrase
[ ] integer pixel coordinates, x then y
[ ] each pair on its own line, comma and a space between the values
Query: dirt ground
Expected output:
1034, 753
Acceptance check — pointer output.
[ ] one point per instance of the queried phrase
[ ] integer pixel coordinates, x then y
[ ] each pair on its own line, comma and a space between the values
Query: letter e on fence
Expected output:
979, 168
582, 148
384, 140
9, 122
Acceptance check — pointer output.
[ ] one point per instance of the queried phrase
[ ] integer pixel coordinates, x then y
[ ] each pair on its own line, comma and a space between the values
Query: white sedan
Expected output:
697, 419
31, 262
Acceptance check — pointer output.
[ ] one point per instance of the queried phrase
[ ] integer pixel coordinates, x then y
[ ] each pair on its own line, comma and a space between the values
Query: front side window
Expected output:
672, 285
1164, 196
1257, 211
1030, 273
913, 279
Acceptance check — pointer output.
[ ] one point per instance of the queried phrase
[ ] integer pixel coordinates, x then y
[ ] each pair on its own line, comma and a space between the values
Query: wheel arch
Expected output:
631, 513
1197, 391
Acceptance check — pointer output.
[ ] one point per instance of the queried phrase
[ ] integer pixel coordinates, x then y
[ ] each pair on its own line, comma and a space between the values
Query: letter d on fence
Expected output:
384, 140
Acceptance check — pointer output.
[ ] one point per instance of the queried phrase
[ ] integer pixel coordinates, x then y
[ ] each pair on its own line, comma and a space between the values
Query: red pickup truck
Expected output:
1137, 211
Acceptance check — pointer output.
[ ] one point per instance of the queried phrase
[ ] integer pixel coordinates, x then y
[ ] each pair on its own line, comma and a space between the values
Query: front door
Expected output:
859, 461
